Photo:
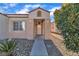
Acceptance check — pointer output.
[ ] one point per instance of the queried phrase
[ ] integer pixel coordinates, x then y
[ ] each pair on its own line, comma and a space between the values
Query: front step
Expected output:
39, 37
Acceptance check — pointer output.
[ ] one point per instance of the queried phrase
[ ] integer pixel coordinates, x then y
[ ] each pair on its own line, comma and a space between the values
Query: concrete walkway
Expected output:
39, 48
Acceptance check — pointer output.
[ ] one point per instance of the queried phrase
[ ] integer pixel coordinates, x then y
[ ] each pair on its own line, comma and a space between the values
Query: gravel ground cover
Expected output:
23, 47
51, 48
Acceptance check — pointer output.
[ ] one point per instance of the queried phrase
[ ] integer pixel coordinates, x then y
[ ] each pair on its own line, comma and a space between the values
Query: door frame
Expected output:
42, 27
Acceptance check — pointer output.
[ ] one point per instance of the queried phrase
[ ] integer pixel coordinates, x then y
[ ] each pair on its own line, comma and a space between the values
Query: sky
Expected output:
24, 8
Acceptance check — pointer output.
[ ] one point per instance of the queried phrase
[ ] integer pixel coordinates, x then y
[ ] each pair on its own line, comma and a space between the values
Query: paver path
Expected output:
39, 48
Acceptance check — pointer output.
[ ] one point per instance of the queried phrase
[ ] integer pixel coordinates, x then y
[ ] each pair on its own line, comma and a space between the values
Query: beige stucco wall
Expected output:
30, 29
3, 26
6, 25
47, 29
27, 33
46, 17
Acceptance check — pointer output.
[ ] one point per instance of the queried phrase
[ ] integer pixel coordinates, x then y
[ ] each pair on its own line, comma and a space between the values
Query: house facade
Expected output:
36, 22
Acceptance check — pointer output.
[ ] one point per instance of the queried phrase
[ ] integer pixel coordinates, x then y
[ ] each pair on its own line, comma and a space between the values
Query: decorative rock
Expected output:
49, 46
17, 49
23, 47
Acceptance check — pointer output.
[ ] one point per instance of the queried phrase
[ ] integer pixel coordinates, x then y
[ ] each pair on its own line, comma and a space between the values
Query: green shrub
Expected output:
7, 47
67, 20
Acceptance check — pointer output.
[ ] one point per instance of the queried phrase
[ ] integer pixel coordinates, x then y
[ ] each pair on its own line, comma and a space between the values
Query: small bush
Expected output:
7, 47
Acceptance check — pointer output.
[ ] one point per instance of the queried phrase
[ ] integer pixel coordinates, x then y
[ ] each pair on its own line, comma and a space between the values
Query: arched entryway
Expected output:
39, 27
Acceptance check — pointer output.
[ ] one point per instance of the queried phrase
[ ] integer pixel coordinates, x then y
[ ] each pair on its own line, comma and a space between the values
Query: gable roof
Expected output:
4, 14
26, 14
39, 8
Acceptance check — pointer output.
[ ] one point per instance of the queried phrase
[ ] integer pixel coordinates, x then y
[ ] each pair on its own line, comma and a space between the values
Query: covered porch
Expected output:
39, 27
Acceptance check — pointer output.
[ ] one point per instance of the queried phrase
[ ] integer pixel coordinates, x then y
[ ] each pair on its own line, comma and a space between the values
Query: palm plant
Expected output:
7, 47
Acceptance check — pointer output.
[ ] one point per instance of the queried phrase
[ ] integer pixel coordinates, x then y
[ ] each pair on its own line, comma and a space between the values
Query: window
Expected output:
39, 13
18, 25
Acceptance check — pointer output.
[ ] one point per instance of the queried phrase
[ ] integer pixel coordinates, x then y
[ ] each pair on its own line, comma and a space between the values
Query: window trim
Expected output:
39, 13
19, 30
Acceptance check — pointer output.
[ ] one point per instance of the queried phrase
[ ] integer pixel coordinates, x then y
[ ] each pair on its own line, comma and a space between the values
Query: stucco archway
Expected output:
39, 27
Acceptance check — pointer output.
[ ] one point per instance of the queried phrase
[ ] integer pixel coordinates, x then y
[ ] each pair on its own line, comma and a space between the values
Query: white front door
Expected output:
39, 29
